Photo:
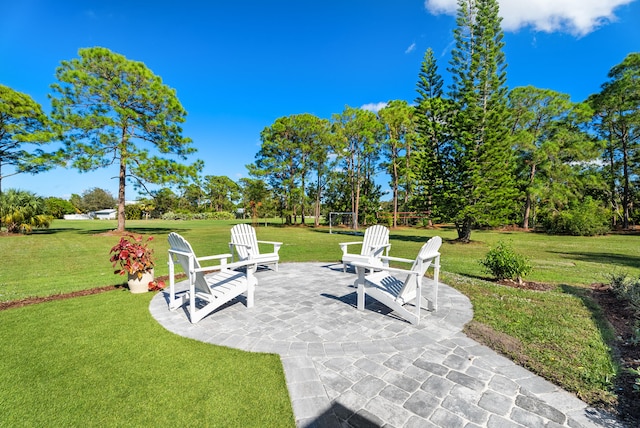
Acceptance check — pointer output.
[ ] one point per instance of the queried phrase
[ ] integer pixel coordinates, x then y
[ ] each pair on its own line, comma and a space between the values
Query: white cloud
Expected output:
577, 17
411, 48
374, 107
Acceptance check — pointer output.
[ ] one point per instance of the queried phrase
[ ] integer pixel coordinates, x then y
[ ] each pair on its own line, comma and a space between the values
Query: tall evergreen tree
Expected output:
480, 188
293, 148
433, 113
617, 109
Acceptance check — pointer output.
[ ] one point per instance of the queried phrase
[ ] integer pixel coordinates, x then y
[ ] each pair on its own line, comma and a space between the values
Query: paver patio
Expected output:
369, 368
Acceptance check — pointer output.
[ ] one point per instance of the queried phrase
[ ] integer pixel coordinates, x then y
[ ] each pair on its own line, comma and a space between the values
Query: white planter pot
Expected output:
140, 285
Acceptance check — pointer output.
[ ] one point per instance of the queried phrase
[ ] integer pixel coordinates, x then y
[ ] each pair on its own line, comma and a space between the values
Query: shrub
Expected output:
174, 216
626, 289
504, 263
221, 215
22, 211
587, 219
133, 212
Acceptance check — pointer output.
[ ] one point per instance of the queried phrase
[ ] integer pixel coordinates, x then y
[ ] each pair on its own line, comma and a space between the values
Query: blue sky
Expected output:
239, 65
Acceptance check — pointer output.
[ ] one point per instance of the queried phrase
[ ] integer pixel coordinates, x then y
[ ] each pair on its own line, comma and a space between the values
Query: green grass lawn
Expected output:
103, 361
104, 350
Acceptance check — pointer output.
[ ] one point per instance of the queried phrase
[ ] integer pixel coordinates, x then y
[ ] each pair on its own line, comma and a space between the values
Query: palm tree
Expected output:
21, 211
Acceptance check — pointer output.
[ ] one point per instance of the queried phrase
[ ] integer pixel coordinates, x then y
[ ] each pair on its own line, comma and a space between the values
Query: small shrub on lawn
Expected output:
627, 289
504, 263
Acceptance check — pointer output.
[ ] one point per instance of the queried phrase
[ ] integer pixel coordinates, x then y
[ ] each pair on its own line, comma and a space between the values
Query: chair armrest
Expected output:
276, 245
378, 250
237, 244
270, 242
344, 246
234, 265
385, 269
215, 257
350, 243
396, 259
380, 246
402, 271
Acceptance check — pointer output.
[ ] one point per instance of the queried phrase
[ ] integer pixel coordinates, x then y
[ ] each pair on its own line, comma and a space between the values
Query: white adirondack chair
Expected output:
399, 288
214, 289
374, 246
244, 244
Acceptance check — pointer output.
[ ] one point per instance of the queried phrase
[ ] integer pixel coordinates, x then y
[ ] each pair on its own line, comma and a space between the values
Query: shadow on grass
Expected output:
394, 237
608, 258
599, 318
97, 231
53, 231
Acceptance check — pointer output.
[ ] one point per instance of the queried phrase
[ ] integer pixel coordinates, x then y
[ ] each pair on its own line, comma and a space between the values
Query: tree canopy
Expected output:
22, 123
478, 180
110, 110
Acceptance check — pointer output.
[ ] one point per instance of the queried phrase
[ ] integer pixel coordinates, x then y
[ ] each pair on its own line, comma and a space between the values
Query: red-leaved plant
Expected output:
133, 255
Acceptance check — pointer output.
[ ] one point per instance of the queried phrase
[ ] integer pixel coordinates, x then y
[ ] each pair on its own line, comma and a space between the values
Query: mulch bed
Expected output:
623, 321
33, 300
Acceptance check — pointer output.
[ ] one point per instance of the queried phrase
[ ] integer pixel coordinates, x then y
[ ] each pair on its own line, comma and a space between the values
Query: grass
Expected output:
558, 334
73, 255
102, 360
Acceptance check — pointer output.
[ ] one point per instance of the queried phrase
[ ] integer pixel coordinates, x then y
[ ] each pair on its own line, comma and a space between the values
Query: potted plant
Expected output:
134, 257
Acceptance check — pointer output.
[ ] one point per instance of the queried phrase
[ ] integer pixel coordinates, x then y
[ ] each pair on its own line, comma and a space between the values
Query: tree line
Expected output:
474, 153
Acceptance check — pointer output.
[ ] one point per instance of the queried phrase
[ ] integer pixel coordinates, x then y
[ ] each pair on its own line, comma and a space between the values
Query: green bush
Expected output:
133, 212
174, 216
221, 215
587, 219
504, 263
626, 289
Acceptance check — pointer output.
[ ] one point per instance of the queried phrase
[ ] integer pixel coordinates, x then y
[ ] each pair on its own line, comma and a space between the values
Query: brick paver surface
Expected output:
350, 368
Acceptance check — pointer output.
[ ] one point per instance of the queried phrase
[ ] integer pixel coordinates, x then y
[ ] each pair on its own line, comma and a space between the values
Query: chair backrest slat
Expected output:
421, 265
244, 234
374, 236
178, 243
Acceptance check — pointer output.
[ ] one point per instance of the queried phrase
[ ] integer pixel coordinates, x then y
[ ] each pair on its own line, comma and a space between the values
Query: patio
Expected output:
371, 368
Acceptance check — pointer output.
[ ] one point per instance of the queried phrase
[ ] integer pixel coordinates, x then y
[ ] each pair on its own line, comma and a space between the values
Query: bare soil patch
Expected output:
623, 321
34, 300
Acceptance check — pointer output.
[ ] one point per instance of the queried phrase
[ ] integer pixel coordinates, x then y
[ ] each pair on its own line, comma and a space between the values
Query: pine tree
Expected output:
479, 188
432, 116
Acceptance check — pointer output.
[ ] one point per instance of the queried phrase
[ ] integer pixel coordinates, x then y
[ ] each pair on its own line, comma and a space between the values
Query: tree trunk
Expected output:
464, 230
527, 204
122, 182
395, 194
0, 195
303, 201
316, 220
612, 183
625, 195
